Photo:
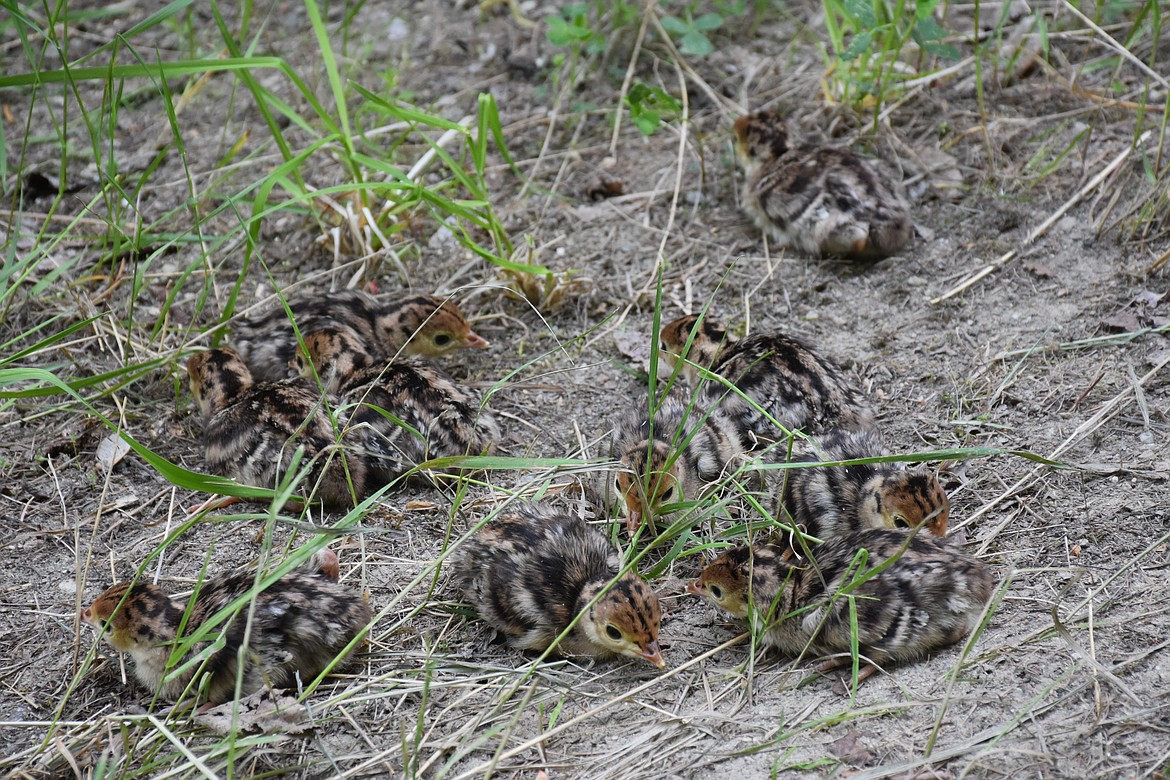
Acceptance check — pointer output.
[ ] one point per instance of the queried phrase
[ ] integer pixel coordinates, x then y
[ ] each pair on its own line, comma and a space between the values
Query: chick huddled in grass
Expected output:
396, 414
929, 596
300, 625
816, 199
533, 570
776, 379
672, 456
424, 325
832, 501
252, 429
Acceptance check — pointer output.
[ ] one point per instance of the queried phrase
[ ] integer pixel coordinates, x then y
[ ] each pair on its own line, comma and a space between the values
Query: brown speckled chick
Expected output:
251, 429
675, 459
782, 375
929, 597
413, 325
835, 500
530, 571
443, 418
818, 200
301, 623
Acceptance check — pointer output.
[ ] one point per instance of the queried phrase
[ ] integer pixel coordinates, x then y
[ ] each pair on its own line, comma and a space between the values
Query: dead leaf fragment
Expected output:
110, 451
602, 185
1122, 322
1038, 269
633, 345
263, 712
850, 749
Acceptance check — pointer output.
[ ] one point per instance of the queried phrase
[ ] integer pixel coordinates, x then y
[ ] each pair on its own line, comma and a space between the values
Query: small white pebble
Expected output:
67, 586
397, 29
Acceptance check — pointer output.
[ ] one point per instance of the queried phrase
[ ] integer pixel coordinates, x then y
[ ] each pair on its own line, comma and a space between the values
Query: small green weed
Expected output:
868, 37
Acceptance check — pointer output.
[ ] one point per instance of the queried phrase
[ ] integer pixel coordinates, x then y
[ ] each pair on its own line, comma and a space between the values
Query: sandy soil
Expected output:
1070, 677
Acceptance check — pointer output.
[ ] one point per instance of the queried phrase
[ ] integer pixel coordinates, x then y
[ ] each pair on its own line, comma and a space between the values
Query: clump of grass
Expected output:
867, 65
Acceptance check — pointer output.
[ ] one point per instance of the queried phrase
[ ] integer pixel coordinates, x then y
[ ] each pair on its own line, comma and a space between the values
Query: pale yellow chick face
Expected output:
131, 617
625, 621
724, 582
439, 331
910, 499
648, 483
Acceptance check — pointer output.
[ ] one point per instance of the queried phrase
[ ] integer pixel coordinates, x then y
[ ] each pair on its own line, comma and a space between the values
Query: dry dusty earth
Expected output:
1060, 352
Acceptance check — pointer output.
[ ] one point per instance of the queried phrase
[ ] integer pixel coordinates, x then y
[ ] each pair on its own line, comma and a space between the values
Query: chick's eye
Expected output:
442, 340
612, 632
901, 522
667, 494
716, 591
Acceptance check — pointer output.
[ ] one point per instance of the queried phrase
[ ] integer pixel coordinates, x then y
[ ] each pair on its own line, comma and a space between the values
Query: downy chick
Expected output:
251, 429
819, 200
929, 597
530, 571
833, 501
677, 459
783, 376
301, 623
412, 325
438, 417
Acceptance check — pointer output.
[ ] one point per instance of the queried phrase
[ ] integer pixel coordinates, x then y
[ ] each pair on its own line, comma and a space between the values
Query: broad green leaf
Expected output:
861, 44
695, 44
708, 22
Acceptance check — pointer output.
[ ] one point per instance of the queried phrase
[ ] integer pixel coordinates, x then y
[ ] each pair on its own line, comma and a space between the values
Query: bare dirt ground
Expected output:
1071, 677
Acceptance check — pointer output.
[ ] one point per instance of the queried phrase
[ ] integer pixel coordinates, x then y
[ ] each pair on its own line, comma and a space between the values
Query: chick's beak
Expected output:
653, 654
475, 341
633, 521
696, 588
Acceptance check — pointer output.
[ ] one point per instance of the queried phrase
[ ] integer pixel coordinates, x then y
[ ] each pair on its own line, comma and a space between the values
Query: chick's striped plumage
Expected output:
929, 597
529, 572
783, 376
300, 624
251, 429
818, 200
420, 396
673, 456
828, 501
410, 325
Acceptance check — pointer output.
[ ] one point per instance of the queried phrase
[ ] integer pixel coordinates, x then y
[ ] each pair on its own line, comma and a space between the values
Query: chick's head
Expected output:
217, 377
133, 617
433, 327
650, 479
909, 499
725, 582
624, 621
708, 338
331, 355
760, 137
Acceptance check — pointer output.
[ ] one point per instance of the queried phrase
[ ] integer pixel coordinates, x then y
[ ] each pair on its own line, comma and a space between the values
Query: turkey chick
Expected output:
676, 459
783, 376
829, 501
251, 429
430, 415
300, 625
411, 325
929, 597
531, 571
815, 199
